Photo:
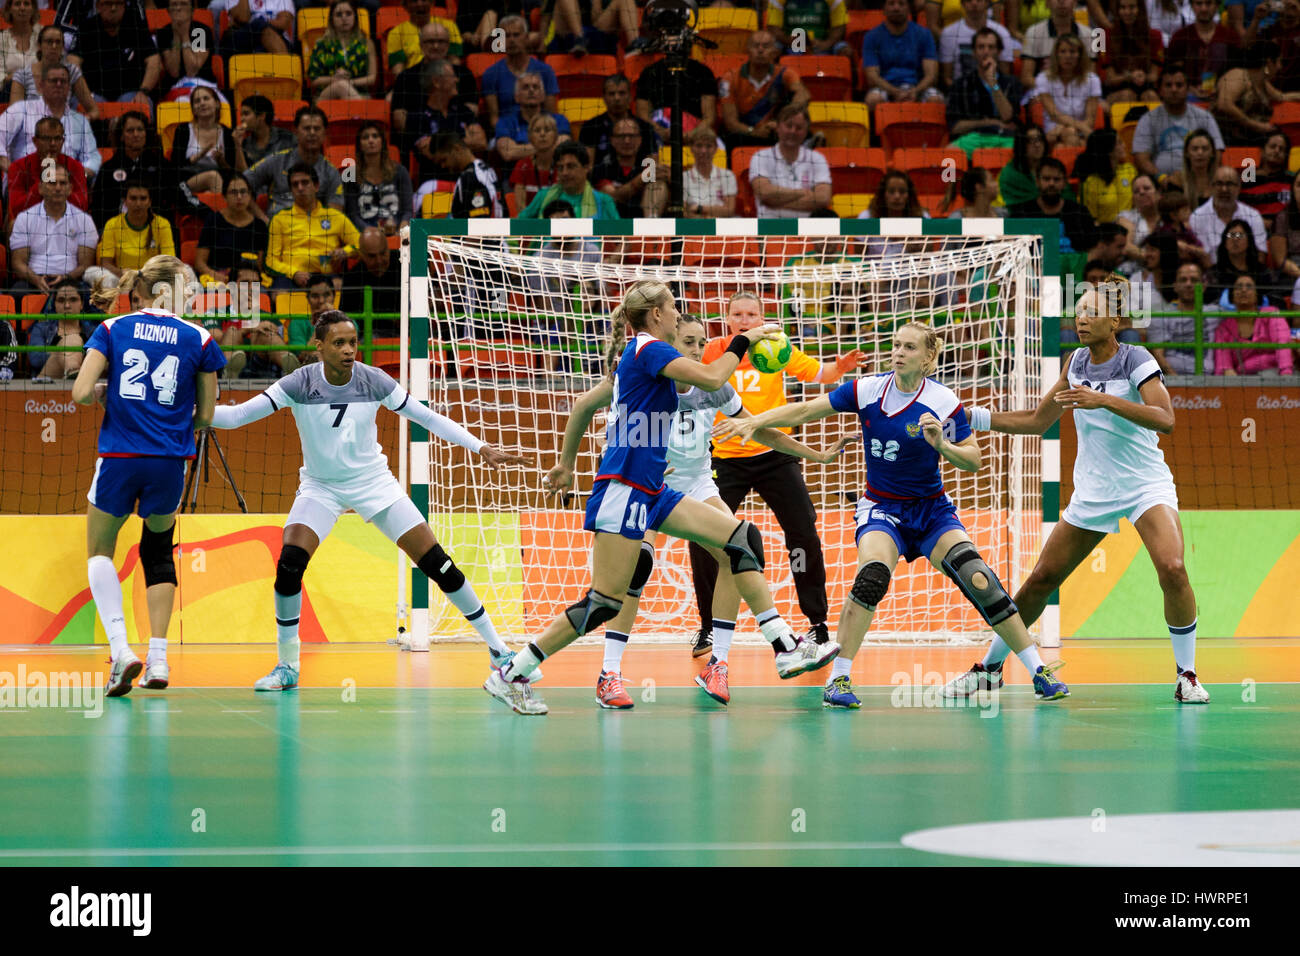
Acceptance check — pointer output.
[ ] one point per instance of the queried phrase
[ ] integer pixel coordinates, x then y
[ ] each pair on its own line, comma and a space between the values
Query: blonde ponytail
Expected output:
106, 295
636, 305
163, 277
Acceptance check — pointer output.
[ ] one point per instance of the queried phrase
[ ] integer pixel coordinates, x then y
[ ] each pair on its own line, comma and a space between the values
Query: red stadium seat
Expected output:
723, 63
855, 169
828, 78
1286, 117
911, 125
638, 63
285, 110
1238, 156
718, 252
992, 158
581, 75
931, 170
345, 117
1067, 155
740, 160
479, 63
861, 22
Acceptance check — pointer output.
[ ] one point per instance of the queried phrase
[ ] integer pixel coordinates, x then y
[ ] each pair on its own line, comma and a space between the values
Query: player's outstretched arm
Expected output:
796, 413
1036, 422
1155, 411
92, 367
713, 376
580, 416
245, 413
454, 432
780, 441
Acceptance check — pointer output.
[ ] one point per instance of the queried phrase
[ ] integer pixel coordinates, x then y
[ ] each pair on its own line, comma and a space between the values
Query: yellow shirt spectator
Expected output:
1106, 200
817, 17
130, 247
404, 42
303, 242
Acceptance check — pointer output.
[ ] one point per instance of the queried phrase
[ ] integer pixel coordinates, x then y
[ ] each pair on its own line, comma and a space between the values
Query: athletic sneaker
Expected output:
805, 658
1047, 688
978, 678
515, 694
839, 693
282, 677
702, 643
500, 662
610, 692
714, 681
126, 668
818, 634
155, 675
1188, 690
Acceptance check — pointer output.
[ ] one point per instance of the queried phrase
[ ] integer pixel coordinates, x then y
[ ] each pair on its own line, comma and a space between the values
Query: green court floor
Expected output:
211, 777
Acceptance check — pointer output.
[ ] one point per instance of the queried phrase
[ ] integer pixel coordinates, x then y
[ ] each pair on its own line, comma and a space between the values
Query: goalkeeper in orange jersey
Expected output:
774, 475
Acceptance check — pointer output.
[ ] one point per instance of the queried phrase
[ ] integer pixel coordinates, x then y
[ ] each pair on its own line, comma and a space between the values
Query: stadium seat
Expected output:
218, 67
295, 303
389, 17
992, 158
1124, 125
718, 252
578, 110
828, 78
390, 360
850, 205
740, 160
274, 75
33, 303
512, 205
911, 125
933, 204
285, 111
1237, 156
345, 117
927, 168
487, 362
581, 75
723, 63
336, 154
638, 63
111, 111
106, 153
861, 22
435, 206
312, 22
688, 158
855, 170
1067, 155
1294, 164
214, 201
172, 115
843, 124
479, 63
157, 19
728, 27
7, 307
1286, 117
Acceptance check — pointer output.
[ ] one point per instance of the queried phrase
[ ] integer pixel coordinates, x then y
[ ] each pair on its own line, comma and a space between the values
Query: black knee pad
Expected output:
993, 602
290, 569
745, 548
156, 556
645, 563
592, 611
871, 584
442, 570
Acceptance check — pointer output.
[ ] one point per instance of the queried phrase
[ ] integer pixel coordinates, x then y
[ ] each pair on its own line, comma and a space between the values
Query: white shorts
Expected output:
1103, 516
699, 487
318, 504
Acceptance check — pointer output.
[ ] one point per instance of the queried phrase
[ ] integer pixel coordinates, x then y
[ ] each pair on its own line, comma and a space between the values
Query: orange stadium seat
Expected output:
111, 111
285, 110
581, 75
911, 125
345, 117
717, 252
1286, 117
855, 170
861, 22
1237, 156
828, 78
992, 157
931, 170
638, 63
1067, 155
479, 63
723, 63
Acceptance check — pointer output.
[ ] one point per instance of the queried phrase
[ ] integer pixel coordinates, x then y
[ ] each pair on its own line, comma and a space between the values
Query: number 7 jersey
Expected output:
154, 359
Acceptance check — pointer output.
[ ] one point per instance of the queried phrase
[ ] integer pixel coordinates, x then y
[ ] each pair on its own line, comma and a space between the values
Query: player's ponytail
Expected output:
637, 304
617, 339
106, 295
933, 344
163, 279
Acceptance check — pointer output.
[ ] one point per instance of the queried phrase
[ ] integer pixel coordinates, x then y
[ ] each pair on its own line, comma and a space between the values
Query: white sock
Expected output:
840, 668
1184, 640
157, 650
723, 632
523, 663
467, 602
997, 653
288, 607
615, 645
107, 592
1029, 657
776, 631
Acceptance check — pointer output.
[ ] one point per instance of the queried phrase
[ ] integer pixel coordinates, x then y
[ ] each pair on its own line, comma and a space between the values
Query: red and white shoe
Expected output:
714, 681
610, 692
1188, 690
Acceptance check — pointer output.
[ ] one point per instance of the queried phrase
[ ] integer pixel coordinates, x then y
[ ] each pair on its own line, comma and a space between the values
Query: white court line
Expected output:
395, 711
317, 710
453, 848
241, 711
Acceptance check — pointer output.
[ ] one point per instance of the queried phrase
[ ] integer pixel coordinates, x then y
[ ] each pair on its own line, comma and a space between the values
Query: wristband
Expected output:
981, 419
739, 346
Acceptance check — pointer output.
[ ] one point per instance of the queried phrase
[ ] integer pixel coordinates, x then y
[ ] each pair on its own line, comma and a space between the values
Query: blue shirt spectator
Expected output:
499, 81
512, 125
898, 58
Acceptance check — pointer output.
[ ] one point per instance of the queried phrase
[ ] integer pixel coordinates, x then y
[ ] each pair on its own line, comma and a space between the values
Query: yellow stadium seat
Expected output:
1294, 165
688, 158
578, 109
295, 303
850, 205
728, 27
171, 115
843, 124
435, 206
312, 22
277, 76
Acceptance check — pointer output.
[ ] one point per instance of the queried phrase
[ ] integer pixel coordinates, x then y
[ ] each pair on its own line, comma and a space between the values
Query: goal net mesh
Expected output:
518, 328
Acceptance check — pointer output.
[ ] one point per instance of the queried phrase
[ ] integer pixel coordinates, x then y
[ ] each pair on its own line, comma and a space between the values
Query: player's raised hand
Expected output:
768, 331
1081, 397
850, 360
742, 428
557, 479
830, 454
931, 429
495, 457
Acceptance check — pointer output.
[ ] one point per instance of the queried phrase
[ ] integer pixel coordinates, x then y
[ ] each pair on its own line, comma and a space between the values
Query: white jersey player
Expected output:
334, 404
1118, 397
691, 472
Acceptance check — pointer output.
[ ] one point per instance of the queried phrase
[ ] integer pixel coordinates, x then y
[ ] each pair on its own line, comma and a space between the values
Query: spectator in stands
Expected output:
1245, 95
476, 19
406, 46
441, 112
1200, 160
186, 47
957, 42
1284, 242
751, 95
1270, 190
899, 59
621, 175
1245, 327
411, 88
1211, 220
596, 132
1018, 181
307, 237
18, 41
477, 193
256, 135
137, 155
50, 51
379, 271
343, 64
941, 14
1153, 281
582, 25
24, 176
1133, 55
654, 96
512, 129
1105, 176
1168, 16
381, 193
71, 15
982, 103
978, 191
51, 240
1143, 216
1286, 34
790, 180
1176, 361
1175, 218
203, 151
66, 299
708, 191
1070, 93
261, 364
895, 198
118, 56
1236, 256
1077, 226
572, 164
536, 172
18, 124
1040, 39
1158, 139
232, 237
1112, 240
256, 26
823, 22
271, 175
1205, 49
500, 79
135, 236
1249, 18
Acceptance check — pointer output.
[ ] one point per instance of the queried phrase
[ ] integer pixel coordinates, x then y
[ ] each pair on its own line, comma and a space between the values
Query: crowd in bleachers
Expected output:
288, 141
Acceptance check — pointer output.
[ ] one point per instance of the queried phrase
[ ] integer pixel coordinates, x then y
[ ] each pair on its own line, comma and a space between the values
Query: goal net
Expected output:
507, 330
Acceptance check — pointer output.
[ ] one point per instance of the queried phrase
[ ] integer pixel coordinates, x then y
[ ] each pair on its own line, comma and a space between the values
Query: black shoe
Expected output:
818, 634
702, 643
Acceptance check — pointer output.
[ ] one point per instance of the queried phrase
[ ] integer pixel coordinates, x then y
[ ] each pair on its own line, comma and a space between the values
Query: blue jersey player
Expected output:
630, 498
909, 423
161, 386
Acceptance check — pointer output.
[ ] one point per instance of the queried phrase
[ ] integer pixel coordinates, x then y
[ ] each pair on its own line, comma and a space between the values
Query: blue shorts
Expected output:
156, 483
616, 508
916, 525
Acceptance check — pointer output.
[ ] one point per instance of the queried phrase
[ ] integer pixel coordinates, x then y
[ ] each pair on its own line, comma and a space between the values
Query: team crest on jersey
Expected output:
913, 429
325, 223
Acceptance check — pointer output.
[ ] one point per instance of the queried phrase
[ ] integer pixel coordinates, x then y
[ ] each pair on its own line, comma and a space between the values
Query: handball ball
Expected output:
768, 355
